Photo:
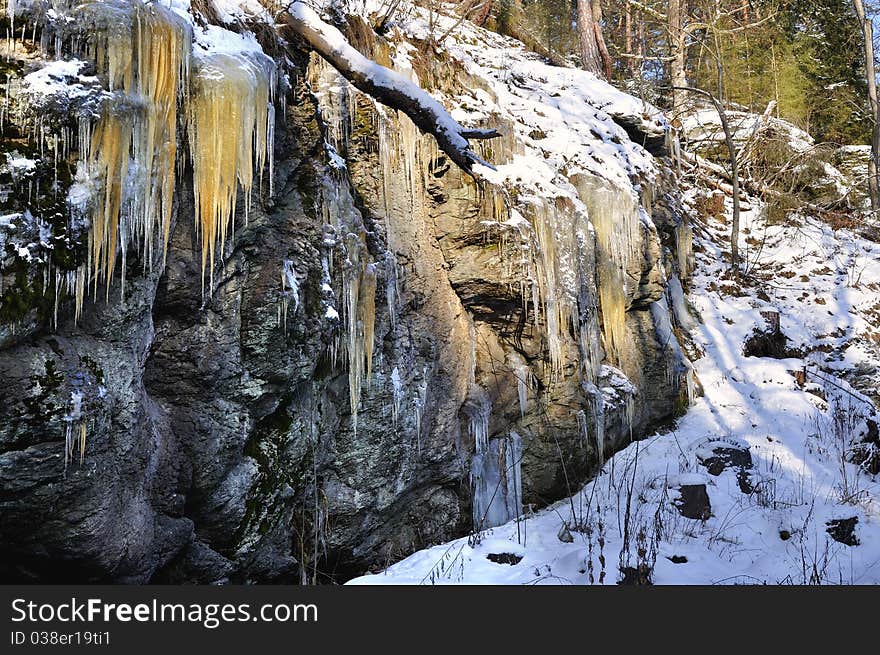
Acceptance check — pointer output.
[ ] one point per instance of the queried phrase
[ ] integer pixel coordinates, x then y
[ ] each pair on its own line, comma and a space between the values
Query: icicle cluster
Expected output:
74, 429
614, 214
678, 365
347, 237
359, 281
127, 130
143, 53
230, 127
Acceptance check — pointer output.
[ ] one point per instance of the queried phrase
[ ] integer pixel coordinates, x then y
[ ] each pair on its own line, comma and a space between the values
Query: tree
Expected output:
594, 53
734, 173
677, 53
870, 75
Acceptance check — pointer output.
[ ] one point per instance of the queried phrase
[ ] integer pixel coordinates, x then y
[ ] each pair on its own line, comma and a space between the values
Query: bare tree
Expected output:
874, 162
678, 53
734, 172
683, 30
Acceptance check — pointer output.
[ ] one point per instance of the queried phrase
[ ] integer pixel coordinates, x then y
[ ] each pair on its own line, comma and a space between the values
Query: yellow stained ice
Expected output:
614, 214
229, 140
110, 146
143, 51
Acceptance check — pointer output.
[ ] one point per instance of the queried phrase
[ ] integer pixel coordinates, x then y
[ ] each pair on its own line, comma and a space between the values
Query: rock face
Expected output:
371, 355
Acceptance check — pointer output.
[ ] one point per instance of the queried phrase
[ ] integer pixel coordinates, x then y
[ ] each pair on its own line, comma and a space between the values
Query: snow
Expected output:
61, 79
769, 522
19, 166
564, 116
213, 40
704, 124
232, 11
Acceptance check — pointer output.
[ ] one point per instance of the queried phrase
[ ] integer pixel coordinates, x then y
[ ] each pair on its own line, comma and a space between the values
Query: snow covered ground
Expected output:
770, 439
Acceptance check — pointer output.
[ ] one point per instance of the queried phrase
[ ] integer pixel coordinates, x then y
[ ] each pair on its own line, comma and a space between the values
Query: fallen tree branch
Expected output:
387, 86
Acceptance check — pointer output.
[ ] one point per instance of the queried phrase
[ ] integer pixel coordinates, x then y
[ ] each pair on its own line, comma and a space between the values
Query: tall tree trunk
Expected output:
678, 52
628, 36
596, 6
874, 163
591, 59
484, 14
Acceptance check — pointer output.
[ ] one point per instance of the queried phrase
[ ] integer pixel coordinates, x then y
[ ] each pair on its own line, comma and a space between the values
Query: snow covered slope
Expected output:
767, 479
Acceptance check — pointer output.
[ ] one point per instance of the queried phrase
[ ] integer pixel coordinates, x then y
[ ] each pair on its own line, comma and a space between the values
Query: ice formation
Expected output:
230, 129
524, 385
359, 282
496, 476
614, 214
684, 240
397, 393
592, 424
143, 52
74, 429
567, 227
679, 367
289, 293
130, 114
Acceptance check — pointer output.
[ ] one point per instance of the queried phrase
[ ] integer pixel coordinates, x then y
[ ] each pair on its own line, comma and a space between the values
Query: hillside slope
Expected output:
770, 477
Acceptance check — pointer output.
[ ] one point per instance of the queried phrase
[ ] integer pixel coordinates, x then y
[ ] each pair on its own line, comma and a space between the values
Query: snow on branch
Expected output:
388, 87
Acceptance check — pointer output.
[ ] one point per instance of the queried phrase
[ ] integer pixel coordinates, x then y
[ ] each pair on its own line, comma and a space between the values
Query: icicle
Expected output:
679, 304
478, 409
615, 215
690, 378
522, 390
143, 51
397, 395
289, 292
79, 293
392, 288
525, 382
684, 239
478, 412
110, 145
496, 467
629, 414
74, 429
229, 131
555, 260
678, 365
556, 312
